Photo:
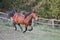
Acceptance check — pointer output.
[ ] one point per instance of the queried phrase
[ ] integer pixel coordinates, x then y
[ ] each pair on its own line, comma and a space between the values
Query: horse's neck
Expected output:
28, 18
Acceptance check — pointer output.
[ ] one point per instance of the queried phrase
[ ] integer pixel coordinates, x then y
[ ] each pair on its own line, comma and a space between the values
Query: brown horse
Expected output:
27, 21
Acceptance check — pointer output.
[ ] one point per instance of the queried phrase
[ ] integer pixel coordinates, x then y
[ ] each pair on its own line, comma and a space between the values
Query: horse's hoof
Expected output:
30, 29
24, 31
15, 29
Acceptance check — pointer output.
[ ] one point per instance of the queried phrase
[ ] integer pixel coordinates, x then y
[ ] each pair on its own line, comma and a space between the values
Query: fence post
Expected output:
32, 22
52, 23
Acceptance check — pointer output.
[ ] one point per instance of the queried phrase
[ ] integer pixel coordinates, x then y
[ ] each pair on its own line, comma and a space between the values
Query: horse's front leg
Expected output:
25, 29
31, 27
15, 26
20, 27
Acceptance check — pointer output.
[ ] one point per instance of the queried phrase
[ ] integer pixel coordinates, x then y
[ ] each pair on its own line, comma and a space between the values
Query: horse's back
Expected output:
18, 18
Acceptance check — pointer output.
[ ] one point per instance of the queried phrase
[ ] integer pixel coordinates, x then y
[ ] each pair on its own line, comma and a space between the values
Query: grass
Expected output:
51, 33
40, 32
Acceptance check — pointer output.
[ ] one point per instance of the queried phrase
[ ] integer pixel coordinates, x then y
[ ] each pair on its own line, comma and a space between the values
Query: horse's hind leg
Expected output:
20, 27
15, 26
25, 29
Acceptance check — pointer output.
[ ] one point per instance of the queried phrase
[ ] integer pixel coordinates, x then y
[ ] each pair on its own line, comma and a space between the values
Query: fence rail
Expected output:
43, 21
52, 22
3, 18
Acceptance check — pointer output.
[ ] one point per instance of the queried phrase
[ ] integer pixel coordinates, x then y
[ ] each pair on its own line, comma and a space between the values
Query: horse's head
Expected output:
35, 16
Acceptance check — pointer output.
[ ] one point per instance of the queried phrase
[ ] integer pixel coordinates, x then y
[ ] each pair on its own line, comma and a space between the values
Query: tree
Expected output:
49, 8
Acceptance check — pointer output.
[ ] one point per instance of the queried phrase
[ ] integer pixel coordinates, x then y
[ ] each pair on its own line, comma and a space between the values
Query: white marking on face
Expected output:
36, 19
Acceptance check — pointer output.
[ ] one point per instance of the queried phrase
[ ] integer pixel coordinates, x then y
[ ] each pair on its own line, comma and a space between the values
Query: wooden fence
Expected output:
43, 21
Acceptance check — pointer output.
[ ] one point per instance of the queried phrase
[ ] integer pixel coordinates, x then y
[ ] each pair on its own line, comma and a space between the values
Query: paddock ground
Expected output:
40, 32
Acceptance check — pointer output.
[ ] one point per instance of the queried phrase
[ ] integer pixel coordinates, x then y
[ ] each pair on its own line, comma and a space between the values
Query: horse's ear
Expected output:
35, 12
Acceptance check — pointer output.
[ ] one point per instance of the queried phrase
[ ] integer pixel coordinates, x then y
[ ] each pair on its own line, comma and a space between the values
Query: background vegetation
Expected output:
45, 8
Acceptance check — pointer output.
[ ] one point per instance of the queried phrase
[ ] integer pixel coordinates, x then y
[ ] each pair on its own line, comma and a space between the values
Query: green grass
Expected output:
40, 32
48, 28
51, 33
6, 23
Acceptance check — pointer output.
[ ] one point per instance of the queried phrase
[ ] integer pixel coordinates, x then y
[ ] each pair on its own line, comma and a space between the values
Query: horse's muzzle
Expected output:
36, 19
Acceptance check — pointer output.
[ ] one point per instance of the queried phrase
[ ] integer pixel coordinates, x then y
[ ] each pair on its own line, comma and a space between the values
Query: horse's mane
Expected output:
27, 14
